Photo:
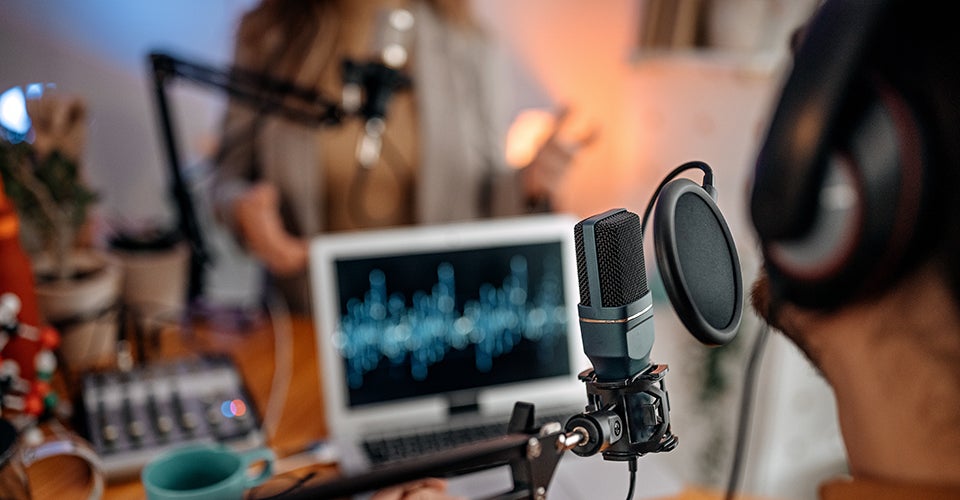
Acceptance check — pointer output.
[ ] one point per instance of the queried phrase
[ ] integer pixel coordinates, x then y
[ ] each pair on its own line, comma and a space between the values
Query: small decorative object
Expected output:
77, 287
25, 380
40, 164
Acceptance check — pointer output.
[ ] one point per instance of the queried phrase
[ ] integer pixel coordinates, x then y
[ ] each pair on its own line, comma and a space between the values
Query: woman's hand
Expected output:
424, 489
257, 213
543, 175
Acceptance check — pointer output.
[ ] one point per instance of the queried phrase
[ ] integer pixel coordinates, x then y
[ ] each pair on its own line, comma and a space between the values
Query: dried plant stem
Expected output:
59, 219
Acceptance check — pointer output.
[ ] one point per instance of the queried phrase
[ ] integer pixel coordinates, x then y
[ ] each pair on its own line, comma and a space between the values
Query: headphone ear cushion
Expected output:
866, 208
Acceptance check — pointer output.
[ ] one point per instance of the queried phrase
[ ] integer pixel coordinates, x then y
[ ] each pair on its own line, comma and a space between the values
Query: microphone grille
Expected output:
620, 264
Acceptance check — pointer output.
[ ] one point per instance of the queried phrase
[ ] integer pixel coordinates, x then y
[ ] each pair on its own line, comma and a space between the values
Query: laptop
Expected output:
428, 329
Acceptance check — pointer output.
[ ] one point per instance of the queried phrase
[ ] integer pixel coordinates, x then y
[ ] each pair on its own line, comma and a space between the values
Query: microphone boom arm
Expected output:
532, 454
265, 94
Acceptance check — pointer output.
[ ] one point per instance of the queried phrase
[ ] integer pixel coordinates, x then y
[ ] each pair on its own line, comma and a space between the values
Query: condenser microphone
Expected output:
368, 86
616, 307
377, 77
628, 411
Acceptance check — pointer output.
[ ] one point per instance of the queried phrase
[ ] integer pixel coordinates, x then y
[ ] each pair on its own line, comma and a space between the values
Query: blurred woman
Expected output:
441, 156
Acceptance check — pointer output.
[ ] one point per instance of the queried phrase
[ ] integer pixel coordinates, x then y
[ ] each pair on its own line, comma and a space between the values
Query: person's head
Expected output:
854, 191
854, 206
287, 30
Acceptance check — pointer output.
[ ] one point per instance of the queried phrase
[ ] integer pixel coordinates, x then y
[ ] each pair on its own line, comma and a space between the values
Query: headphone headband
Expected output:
792, 162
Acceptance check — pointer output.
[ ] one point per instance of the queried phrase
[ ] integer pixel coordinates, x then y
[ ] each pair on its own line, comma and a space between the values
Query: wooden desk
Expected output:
302, 421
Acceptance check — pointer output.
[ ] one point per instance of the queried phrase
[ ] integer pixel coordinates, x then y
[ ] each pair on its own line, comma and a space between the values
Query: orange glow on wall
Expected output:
579, 52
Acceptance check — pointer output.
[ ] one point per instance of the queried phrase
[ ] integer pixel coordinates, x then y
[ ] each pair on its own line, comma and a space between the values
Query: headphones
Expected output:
841, 177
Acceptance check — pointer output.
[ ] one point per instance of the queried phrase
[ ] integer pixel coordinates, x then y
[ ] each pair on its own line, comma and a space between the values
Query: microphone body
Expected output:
616, 307
627, 411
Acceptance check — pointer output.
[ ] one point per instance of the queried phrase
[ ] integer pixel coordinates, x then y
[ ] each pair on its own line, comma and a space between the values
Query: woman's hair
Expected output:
277, 35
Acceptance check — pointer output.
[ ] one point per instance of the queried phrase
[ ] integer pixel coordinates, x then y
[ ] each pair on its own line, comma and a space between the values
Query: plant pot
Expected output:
154, 280
84, 309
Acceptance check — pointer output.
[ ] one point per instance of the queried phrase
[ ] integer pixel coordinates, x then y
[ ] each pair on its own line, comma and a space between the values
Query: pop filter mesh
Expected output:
705, 260
619, 243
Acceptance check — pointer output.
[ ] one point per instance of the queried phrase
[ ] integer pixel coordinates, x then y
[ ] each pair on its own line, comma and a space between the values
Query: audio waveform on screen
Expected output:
424, 330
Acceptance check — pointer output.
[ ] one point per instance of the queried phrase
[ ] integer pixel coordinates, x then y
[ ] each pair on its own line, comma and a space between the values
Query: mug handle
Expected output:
251, 457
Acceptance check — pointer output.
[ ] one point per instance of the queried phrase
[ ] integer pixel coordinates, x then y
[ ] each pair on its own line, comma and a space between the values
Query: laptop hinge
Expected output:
462, 402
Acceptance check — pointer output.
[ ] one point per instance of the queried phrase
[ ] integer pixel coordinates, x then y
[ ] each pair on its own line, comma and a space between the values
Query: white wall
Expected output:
98, 49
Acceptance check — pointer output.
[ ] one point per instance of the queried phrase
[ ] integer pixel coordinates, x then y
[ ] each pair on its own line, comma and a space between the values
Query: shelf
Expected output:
758, 64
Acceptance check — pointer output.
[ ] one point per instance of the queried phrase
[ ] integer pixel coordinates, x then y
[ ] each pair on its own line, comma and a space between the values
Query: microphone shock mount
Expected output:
626, 418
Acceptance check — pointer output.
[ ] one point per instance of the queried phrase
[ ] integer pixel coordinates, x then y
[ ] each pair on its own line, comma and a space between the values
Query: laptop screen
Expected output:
416, 323
434, 322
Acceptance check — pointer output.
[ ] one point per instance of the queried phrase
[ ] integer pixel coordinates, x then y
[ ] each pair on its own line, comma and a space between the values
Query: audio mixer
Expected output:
131, 416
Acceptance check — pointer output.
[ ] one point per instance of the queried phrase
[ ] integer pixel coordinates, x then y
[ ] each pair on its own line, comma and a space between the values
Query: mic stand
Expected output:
532, 454
265, 94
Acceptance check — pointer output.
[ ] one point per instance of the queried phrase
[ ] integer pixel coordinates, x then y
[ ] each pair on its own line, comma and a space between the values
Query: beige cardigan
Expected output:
458, 78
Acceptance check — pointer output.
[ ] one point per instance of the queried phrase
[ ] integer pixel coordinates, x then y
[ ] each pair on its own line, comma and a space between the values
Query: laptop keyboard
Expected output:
397, 447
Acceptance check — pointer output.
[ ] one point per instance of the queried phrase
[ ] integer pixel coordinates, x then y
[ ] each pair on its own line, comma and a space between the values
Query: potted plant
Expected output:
77, 286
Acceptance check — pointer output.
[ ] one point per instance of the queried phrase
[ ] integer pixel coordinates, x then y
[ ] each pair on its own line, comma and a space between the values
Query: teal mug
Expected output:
205, 472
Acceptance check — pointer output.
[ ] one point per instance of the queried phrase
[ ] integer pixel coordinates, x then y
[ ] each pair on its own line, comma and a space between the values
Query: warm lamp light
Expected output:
527, 134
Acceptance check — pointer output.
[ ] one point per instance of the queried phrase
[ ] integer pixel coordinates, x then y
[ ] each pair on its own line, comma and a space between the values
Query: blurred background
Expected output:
660, 91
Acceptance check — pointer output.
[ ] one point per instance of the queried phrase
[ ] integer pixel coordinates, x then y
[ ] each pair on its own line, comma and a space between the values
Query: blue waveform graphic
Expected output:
421, 332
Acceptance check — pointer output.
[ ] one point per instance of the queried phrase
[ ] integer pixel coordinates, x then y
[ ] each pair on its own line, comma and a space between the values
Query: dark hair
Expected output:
918, 53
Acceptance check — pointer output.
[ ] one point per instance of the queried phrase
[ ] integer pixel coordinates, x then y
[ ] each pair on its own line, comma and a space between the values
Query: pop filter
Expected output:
698, 262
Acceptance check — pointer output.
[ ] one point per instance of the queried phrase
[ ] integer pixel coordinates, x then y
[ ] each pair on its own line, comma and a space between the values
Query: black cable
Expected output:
746, 399
292, 488
690, 165
357, 207
633, 477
